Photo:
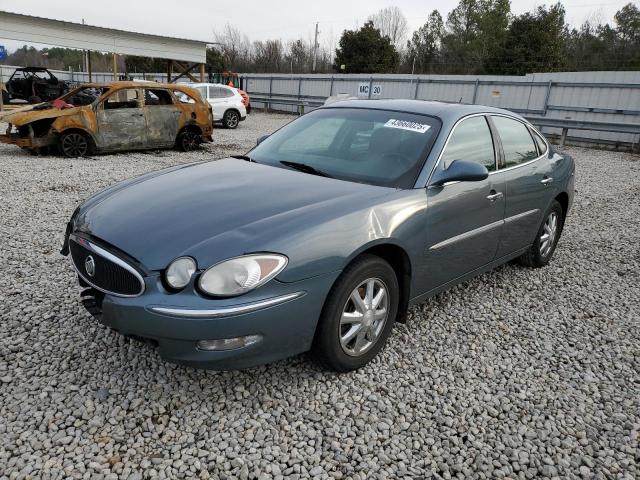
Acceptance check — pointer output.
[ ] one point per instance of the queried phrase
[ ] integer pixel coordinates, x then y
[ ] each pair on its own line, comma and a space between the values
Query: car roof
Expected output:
202, 84
31, 69
442, 110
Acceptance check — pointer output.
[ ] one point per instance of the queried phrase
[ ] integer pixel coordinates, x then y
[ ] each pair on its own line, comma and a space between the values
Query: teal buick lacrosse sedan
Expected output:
323, 235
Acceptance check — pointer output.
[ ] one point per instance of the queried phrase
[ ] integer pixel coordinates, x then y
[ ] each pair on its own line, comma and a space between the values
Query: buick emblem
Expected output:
90, 266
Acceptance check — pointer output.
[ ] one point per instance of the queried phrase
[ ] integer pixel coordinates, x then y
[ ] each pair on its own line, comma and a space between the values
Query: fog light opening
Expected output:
224, 344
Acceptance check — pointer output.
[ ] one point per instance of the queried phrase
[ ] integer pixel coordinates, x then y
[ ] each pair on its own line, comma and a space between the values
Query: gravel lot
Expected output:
517, 374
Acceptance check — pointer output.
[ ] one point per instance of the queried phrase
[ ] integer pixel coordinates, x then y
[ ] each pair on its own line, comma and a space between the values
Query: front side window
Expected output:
125, 98
84, 95
471, 141
377, 147
517, 144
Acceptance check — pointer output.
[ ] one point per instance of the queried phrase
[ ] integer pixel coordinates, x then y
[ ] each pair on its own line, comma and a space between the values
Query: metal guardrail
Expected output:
564, 124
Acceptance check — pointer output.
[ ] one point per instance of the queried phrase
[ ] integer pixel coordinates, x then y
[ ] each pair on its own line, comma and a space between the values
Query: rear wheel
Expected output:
75, 144
188, 140
33, 99
358, 315
231, 119
540, 253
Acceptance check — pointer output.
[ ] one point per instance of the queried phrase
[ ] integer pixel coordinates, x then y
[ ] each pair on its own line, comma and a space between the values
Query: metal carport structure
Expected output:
179, 52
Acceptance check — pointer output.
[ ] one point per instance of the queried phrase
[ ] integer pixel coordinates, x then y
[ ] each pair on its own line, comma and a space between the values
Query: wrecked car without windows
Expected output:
105, 117
34, 84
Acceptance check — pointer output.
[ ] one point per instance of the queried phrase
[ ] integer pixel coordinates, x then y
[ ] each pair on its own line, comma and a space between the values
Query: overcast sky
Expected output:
262, 19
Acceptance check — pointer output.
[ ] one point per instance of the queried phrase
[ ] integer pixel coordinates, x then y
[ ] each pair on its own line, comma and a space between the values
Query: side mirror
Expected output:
460, 171
261, 139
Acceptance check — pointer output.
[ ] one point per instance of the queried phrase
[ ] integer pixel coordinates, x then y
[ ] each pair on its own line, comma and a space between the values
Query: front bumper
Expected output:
284, 315
28, 142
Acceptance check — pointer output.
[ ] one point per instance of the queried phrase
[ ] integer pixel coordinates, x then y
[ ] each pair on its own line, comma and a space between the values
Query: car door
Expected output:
162, 117
529, 185
120, 121
464, 219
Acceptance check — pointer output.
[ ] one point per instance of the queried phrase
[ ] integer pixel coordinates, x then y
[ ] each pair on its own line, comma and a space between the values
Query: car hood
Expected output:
27, 114
215, 210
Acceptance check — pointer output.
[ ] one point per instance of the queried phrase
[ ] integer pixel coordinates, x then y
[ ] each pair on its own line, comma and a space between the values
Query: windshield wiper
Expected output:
303, 167
246, 158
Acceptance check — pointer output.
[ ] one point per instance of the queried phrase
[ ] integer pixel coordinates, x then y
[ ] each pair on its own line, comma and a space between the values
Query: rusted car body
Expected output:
106, 117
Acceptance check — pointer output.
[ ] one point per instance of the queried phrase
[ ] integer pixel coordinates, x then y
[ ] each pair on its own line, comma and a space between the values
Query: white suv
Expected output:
225, 101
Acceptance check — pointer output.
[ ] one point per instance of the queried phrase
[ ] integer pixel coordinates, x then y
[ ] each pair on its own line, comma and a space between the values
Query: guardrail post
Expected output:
415, 94
331, 86
370, 86
299, 87
475, 91
563, 137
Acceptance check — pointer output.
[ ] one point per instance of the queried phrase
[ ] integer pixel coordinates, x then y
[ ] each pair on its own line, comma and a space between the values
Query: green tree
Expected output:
628, 36
366, 51
534, 43
476, 30
423, 48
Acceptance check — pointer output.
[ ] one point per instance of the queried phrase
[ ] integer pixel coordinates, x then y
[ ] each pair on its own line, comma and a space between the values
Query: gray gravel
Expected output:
517, 374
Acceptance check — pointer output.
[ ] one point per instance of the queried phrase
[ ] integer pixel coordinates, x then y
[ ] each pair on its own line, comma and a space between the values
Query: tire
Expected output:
345, 346
33, 99
5, 97
188, 140
75, 144
540, 254
231, 119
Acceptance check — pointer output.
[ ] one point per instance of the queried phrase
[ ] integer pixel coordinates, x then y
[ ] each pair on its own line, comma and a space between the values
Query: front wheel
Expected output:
74, 144
540, 253
231, 119
358, 315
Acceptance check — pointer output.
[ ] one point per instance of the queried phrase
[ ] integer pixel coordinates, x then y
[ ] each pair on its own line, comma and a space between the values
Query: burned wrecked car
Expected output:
34, 84
107, 117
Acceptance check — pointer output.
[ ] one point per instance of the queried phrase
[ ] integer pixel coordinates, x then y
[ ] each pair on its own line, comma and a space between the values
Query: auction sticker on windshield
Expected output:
405, 125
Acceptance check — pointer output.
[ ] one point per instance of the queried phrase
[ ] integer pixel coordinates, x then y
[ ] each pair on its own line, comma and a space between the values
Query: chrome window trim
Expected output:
112, 258
498, 169
225, 311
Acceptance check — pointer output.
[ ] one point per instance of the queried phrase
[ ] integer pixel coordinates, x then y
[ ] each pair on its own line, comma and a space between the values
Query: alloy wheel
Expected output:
232, 120
189, 141
364, 316
549, 234
75, 145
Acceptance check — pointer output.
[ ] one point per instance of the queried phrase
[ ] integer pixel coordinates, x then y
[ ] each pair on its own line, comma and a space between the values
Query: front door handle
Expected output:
493, 196
546, 181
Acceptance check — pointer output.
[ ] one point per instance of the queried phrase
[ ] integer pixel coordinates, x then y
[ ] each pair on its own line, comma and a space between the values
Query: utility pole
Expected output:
315, 49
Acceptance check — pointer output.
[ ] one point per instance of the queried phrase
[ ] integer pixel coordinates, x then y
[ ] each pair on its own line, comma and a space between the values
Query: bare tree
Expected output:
392, 23
235, 47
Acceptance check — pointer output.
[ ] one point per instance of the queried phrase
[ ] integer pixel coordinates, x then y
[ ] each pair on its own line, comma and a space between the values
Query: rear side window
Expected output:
542, 145
157, 97
516, 140
471, 141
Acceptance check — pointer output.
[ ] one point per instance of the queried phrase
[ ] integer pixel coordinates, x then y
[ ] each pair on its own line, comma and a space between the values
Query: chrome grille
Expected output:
103, 270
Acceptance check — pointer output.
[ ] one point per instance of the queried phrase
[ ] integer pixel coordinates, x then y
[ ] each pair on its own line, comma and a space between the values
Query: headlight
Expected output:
180, 271
242, 274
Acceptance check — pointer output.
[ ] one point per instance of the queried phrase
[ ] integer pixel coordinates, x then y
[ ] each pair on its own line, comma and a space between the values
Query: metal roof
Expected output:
28, 28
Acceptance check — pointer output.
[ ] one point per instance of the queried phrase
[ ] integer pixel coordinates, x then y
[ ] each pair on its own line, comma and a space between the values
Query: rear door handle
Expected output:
494, 196
546, 181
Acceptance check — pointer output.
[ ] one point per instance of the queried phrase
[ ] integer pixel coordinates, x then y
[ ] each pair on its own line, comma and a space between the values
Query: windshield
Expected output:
83, 95
377, 147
